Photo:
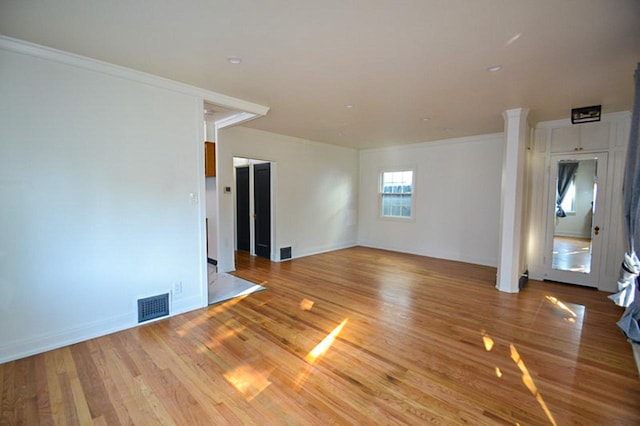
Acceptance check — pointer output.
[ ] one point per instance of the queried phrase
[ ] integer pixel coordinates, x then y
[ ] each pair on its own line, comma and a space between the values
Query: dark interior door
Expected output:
262, 208
243, 235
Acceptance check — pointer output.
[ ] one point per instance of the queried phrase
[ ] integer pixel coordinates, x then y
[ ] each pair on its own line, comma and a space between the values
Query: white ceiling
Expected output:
397, 62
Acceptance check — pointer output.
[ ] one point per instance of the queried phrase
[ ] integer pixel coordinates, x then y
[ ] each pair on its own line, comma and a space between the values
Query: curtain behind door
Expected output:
627, 283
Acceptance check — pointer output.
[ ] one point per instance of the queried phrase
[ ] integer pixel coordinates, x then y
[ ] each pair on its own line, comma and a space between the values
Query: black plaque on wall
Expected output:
586, 114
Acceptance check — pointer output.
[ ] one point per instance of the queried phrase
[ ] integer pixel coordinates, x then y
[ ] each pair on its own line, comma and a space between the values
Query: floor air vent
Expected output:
285, 253
153, 307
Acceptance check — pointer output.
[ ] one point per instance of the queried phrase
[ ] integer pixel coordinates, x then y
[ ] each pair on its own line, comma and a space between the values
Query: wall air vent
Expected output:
153, 307
285, 253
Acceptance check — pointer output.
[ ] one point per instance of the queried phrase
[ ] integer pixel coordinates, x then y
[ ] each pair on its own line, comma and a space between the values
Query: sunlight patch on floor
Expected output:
322, 347
529, 383
248, 381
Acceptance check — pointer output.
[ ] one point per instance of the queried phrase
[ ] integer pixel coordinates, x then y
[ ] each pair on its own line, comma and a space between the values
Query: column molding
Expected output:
516, 134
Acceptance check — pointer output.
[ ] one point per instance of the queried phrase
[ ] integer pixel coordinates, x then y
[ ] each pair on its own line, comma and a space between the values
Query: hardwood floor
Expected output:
357, 336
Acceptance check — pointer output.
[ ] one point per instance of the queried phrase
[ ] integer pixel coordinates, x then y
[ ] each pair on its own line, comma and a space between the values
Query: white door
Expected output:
575, 221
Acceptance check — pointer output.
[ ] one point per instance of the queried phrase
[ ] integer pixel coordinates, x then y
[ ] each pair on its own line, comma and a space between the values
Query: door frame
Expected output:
250, 161
600, 219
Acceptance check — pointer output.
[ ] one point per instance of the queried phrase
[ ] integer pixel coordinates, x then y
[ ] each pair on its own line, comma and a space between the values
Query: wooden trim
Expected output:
210, 159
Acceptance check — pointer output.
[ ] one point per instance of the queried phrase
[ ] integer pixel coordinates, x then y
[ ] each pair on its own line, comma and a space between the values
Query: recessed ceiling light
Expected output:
349, 106
234, 60
494, 68
513, 39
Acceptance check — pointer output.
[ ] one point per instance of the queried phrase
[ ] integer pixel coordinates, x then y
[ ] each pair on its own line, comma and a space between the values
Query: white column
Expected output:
516, 133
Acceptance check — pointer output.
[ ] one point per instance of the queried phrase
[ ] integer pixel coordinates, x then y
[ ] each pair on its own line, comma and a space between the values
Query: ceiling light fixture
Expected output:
513, 39
494, 68
234, 60
349, 106
426, 118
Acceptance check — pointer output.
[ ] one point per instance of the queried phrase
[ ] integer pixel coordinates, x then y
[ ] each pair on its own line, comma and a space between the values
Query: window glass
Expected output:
396, 194
568, 203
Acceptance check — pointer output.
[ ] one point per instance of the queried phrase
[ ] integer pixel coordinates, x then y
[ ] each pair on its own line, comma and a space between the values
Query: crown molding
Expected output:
566, 122
55, 55
437, 143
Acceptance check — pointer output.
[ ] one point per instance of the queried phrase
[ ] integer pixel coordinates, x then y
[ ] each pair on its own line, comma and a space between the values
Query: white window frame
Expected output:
413, 195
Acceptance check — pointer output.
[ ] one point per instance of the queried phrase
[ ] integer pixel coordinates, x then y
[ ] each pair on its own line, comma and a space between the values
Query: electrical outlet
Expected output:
177, 287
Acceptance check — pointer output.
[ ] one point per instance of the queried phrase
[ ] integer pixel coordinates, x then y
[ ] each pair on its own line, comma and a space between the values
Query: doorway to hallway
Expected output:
253, 217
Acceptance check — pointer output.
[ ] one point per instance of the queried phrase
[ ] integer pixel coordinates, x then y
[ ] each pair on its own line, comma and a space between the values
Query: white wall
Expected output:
212, 216
315, 194
457, 199
96, 172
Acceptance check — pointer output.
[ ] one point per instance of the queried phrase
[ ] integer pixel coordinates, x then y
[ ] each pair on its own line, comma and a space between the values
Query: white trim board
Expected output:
566, 122
45, 342
454, 257
440, 142
318, 250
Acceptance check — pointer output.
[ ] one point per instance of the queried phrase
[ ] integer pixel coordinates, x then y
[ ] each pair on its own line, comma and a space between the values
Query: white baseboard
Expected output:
17, 349
34, 345
320, 250
437, 255
181, 306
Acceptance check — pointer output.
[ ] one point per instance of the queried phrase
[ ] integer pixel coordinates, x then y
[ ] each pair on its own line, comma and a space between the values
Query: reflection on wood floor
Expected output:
572, 254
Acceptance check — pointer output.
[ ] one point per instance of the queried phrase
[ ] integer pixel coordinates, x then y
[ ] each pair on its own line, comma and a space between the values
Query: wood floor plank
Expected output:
8, 394
77, 392
108, 378
68, 409
91, 383
56, 399
356, 336
45, 416
26, 398
129, 395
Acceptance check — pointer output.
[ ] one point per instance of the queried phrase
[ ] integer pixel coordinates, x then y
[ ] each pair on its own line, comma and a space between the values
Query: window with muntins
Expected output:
396, 194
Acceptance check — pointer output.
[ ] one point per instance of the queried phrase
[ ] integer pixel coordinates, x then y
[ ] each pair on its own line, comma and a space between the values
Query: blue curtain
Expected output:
627, 283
